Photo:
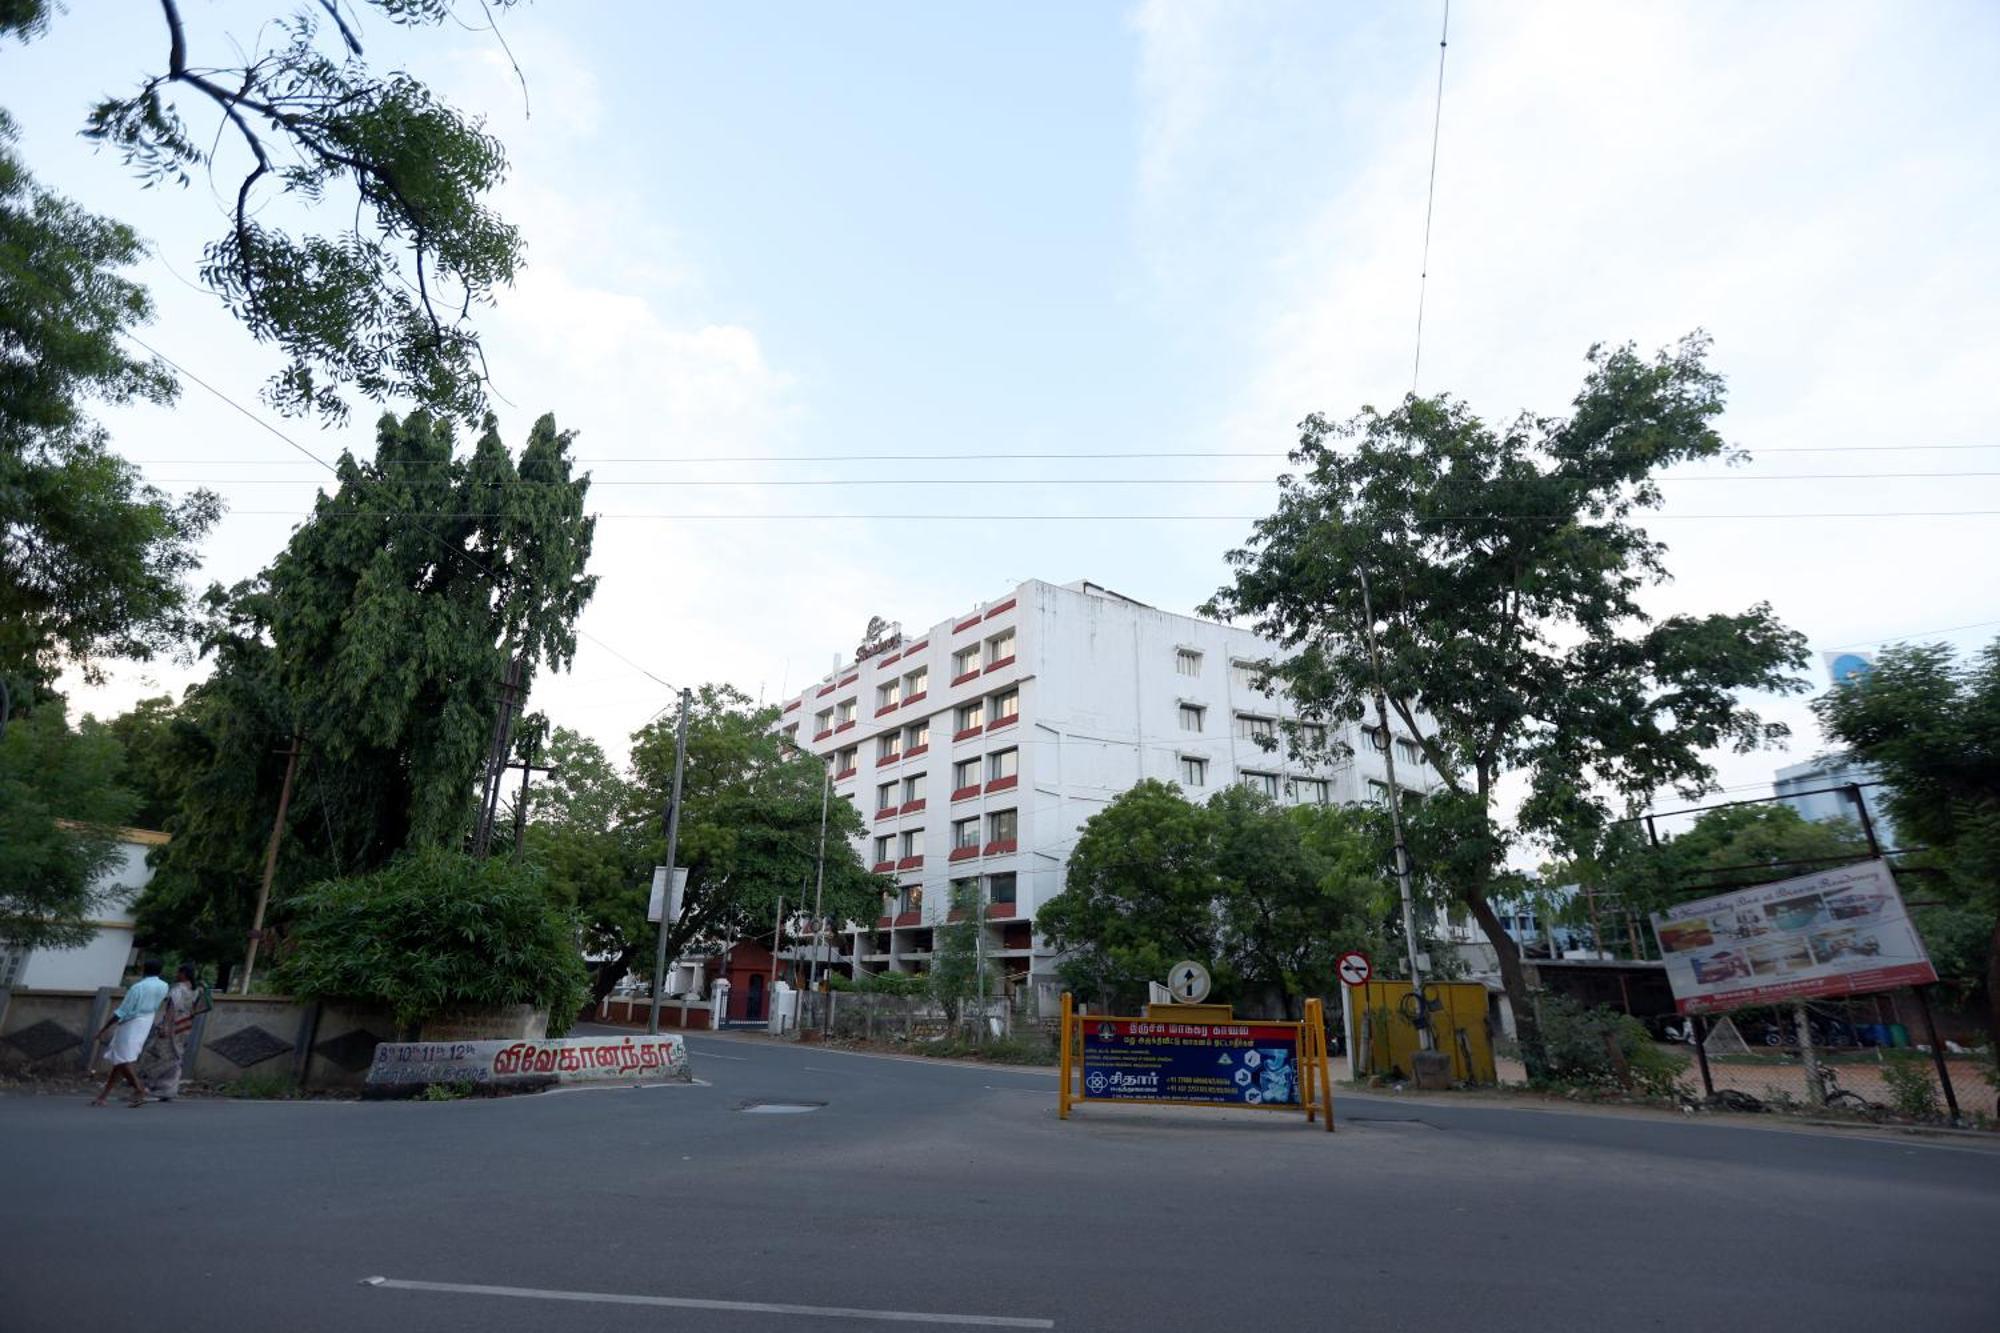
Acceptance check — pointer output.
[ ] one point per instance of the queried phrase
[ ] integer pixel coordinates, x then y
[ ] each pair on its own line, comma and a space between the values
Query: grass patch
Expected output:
262, 1087
994, 1050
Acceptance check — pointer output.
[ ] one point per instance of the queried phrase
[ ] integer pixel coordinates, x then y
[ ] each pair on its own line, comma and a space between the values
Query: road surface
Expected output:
953, 1193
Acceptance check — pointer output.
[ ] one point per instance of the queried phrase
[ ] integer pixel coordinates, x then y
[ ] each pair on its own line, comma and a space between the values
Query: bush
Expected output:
434, 931
904, 985
1578, 1045
1911, 1092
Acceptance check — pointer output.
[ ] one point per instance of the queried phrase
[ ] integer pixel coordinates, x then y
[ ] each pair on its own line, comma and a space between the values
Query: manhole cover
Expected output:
779, 1108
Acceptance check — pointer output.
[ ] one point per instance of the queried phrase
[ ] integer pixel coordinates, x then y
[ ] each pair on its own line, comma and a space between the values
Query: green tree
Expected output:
378, 640
1930, 725
1507, 565
60, 803
434, 931
1139, 896
91, 558
299, 122
958, 972
749, 833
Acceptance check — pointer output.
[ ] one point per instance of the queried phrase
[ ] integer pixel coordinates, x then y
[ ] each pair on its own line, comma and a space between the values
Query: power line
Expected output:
1430, 201
1121, 518
1034, 481
1913, 634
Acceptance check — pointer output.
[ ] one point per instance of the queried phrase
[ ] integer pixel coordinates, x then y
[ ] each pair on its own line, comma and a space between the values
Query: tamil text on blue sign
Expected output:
1243, 1064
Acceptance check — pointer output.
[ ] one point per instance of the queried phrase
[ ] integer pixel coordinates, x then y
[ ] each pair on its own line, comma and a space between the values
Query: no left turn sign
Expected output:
1354, 968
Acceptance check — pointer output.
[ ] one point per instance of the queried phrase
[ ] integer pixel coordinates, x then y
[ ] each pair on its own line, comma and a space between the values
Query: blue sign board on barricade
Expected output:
1232, 1064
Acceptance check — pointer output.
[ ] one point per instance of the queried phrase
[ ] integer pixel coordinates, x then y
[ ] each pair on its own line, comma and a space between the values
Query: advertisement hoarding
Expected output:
1237, 1064
1837, 932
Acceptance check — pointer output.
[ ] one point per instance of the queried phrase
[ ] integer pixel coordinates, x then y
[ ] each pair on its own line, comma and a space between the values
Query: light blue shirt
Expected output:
145, 997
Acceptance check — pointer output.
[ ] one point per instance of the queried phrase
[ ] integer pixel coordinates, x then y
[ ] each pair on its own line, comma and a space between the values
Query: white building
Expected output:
976, 750
1826, 789
102, 961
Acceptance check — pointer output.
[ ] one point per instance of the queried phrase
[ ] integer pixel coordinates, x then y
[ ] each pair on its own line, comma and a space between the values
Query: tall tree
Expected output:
293, 112
91, 558
379, 639
1507, 565
1930, 725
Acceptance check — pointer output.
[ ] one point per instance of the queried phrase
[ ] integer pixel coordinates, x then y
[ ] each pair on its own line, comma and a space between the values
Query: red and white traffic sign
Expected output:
1354, 968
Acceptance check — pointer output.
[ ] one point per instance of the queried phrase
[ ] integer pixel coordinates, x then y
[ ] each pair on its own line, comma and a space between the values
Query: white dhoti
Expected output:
129, 1039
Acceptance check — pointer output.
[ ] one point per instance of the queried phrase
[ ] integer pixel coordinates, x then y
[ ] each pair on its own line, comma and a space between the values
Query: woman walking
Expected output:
134, 1022
160, 1062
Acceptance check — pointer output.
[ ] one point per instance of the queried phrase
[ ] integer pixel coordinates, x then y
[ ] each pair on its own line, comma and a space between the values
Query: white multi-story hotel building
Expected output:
976, 750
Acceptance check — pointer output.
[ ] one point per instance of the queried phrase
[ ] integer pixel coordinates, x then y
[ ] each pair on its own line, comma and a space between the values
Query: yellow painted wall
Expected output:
1391, 1039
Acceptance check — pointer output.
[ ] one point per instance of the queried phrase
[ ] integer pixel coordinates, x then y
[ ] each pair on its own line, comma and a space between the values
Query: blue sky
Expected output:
759, 232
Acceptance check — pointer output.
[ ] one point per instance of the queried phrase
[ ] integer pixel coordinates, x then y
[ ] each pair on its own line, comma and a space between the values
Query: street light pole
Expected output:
1424, 1035
673, 837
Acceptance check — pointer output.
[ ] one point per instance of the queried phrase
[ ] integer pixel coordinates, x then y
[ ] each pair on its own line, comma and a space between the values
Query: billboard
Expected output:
1838, 932
1234, 1064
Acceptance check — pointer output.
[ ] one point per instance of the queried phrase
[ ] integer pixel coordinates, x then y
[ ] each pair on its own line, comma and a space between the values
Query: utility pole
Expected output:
496, 759
819, 883
527, 765
270, 862
1424, 1036
673, 837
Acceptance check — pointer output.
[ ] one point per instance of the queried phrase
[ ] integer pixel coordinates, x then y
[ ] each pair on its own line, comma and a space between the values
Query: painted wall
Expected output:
102, 961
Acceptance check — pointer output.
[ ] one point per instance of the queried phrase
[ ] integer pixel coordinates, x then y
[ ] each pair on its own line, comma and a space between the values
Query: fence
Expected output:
861, 1016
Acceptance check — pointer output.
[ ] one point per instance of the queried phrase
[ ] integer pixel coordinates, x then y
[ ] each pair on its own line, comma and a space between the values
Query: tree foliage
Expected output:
1508, 564
91, 558
433, 931
60, 803
1930, 725
302, 125
379, 639
1267, 898
958, 972
749, 833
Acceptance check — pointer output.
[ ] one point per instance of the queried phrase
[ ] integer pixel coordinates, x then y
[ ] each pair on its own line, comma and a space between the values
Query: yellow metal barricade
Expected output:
1387, 1038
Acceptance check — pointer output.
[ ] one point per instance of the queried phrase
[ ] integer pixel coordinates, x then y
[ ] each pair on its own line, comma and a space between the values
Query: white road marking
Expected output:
716, 1055
694, 1303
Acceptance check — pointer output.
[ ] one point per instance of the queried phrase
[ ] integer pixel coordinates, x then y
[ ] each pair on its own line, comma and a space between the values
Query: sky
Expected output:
783, 235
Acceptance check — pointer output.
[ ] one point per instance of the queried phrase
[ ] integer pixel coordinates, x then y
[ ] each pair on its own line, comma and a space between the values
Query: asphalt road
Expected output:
943, 1190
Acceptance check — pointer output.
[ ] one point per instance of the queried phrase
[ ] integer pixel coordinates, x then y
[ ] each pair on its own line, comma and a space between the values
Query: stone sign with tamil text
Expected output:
402, 1067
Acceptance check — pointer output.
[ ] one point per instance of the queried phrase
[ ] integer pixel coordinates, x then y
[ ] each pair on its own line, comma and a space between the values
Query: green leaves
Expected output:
435, 931
1267, 897
60, 799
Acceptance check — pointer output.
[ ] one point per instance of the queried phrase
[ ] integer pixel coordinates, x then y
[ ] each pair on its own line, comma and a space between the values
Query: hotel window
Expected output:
889, 695
847, 759
965, 832
917, 735
910, 898
885, 847
999, 648
1003, 764
913, 842
889, 746
1373, 735
1407, 751
823, 722
917, 682
885, 796
965, 773
964, 660
1244, 675
1194, 772
1003, 826
964, 892
1000, 888
1312, 738
971, 715
1263, 782
1309, 791
1378, 792
1187, 662
1191, 717
1006, 705
844, 712
913, 788
1255, 728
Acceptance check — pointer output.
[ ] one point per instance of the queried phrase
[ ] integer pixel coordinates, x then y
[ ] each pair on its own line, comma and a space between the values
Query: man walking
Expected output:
134, 1022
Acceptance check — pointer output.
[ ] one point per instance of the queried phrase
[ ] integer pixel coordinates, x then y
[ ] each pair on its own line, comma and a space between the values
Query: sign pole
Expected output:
673, 836
1062, 1096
